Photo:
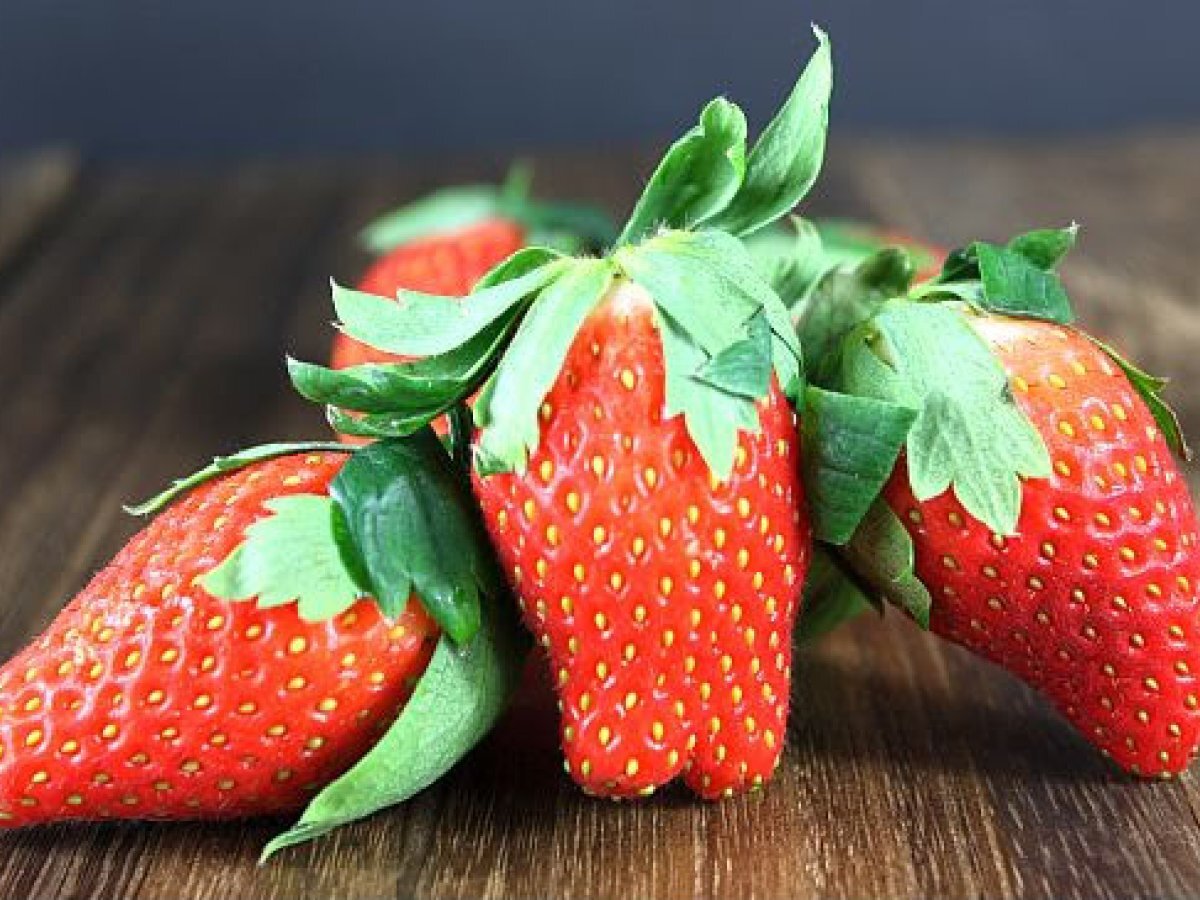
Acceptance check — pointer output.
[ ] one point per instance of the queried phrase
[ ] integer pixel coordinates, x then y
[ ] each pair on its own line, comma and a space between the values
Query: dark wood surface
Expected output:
141, 331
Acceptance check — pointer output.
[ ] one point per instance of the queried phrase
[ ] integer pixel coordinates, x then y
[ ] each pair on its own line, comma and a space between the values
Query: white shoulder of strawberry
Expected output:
717, 316
569, 227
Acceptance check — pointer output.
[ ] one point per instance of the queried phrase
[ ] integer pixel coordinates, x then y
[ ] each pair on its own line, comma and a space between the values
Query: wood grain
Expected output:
143, 335
32, 188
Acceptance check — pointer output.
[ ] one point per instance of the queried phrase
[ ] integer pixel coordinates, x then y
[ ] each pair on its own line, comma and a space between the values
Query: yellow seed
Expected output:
546, 470
579, 572
650, 476
329, 704
1091, 561
190, 766
639, 613
1056, 381
1067, 429
639, 546
69, 747
657, 731
668, 637
108, 732
1140, 463
599, 534
631, 767
1063, 468
616, 580
252, 633
1151, 684
552, 535
602, 670
666, 585
1048, 549
694, 568
598, 465
628, 379
297, 645
155, 697
1097, 423
283, 774
1120, 470
604, 735
1127, 554
719, 538
664, 526
743, 558
601, 621
202, 702
248, 708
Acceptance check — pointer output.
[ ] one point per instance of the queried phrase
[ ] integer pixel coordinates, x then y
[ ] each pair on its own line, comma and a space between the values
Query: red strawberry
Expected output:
448, 265
149, 698
665, 600
636, 454
1094, 600
1036, 513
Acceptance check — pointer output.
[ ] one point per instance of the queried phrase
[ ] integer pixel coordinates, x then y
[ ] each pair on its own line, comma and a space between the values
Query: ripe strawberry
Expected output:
636, 454
1036, 514
1094, 600
665, 599
444, 264
147, 697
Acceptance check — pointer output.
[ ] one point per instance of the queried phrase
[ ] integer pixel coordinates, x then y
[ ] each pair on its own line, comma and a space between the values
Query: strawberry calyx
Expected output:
898, 376
724, 330
570, 227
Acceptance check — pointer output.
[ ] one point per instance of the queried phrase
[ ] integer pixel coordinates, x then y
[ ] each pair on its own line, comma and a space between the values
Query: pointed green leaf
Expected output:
290, 556
1014, 285
1046, 247
1150, 388
507, 412
416, 528
969, 434
712, 417
696, 178
850, 449
787, 157
419, 324
460, 696
222, 465
744, 368
881, 554
419, 391
831, 597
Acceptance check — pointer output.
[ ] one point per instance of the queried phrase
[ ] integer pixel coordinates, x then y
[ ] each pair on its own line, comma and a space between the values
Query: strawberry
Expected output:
147, 697
1036, 507
1093, 601
635, 454
184, 682
665, 600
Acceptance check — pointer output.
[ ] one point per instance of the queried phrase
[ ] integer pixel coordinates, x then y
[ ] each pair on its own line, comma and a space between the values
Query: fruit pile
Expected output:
656, 457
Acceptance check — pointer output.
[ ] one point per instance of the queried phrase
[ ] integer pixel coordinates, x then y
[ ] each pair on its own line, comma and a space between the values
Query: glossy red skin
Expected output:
448, 265
1094, 602
611, 541
147, 698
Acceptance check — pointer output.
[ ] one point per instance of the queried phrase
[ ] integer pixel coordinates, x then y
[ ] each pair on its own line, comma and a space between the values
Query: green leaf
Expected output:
743, 369
1015, 286
792, 260
969, 434
457, 701
415, 525
712, 417
787, 157
444, 210
697, 177
841, 301
1150, 388
507, 412
222, 465
1046, 247
289, 556
850, 449
419, 324
413, 392
831, 597
881, 554
707, 283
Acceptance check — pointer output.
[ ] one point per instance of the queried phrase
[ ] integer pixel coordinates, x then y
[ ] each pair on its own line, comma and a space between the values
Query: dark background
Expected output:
201, 80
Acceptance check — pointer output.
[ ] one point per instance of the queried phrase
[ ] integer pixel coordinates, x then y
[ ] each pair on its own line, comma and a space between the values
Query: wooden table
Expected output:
143, 320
